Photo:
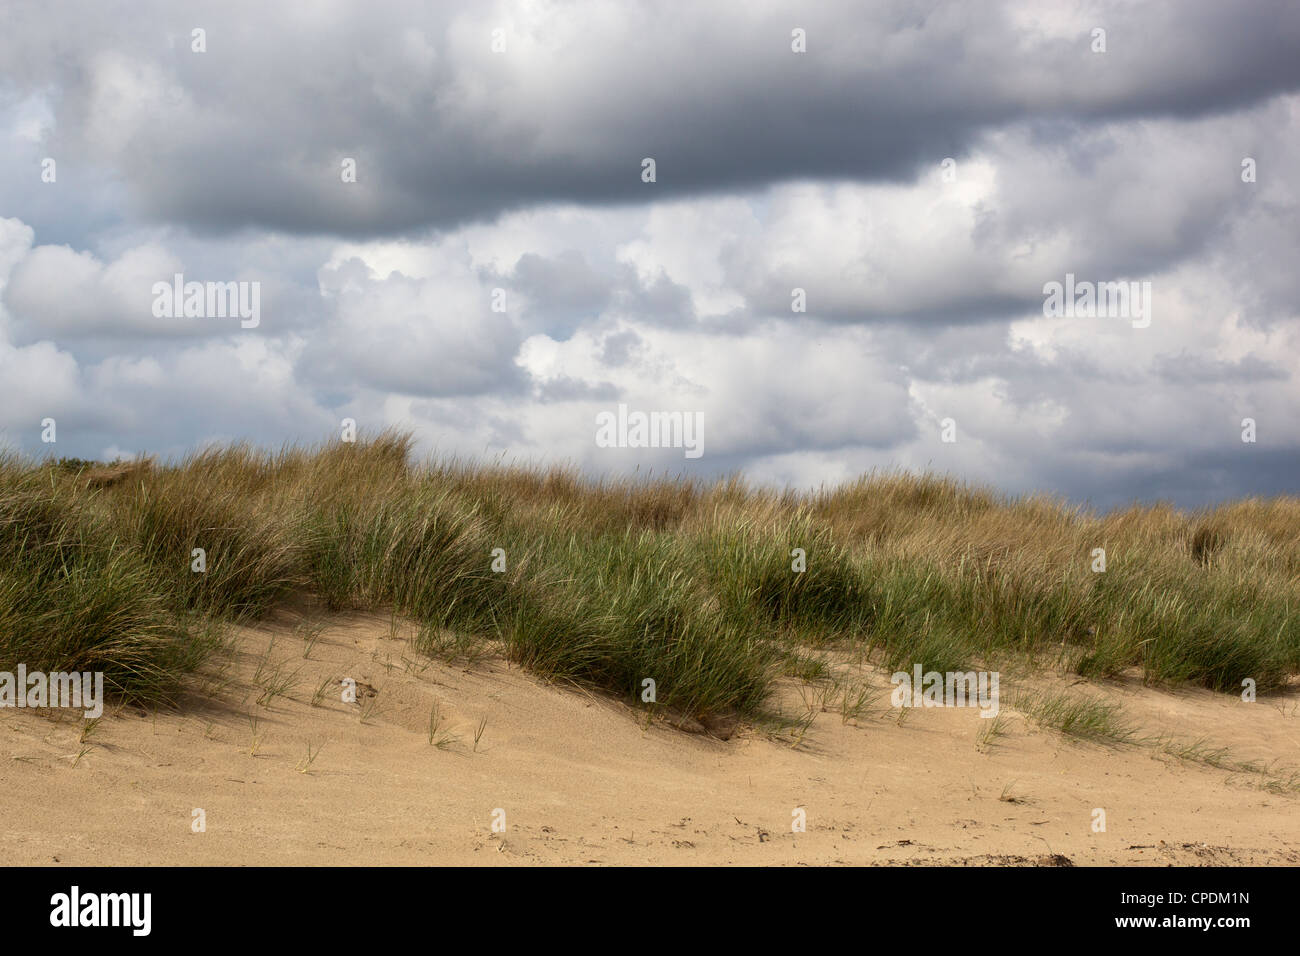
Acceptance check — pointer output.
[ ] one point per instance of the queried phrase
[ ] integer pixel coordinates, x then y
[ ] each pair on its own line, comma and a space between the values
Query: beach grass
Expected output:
712, 591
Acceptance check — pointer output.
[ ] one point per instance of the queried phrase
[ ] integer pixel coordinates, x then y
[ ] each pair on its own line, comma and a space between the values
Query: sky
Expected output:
840, 262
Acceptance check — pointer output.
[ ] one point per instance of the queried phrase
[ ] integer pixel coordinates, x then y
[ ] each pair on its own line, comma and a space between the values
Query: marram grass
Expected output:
613, 583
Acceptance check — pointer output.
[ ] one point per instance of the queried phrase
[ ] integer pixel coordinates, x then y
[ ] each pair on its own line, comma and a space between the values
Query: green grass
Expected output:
76, 597
610, 583
1077, 716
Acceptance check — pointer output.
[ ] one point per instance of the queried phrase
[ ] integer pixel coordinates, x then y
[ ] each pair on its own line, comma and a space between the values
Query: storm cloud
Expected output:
854, 211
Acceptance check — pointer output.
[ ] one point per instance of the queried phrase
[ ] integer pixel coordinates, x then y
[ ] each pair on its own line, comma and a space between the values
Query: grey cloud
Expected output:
566, 389
617, 348
1185, 369
446, 131
775, 171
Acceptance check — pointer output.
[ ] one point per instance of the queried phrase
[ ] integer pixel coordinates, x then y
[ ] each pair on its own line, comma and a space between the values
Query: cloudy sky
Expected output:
920, 170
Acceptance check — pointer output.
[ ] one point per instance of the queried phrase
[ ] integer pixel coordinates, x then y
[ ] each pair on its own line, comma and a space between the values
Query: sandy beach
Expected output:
585, 779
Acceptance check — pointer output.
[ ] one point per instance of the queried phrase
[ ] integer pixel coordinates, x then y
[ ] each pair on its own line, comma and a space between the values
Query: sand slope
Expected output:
583, 779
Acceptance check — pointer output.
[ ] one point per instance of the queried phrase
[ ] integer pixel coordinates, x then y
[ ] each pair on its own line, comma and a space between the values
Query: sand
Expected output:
584, 779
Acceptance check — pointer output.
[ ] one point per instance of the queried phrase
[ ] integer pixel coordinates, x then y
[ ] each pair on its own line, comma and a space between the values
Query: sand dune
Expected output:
585, 779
